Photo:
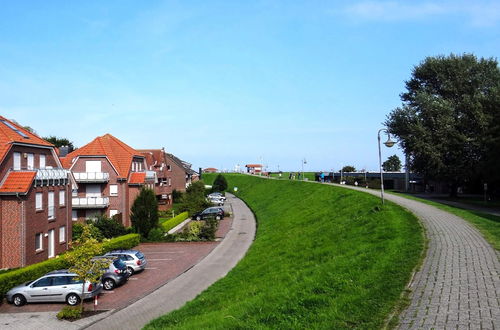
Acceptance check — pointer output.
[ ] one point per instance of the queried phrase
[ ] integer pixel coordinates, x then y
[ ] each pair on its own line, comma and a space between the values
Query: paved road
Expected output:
188, 285
458, 285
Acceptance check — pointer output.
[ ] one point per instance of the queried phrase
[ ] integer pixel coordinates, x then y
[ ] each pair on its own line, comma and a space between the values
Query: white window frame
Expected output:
113, 190
62, 197
51, 206
74, 192
30, 161
112, 213
42, 161
17, 161
39, 241
74, 215
62, 234
39, 201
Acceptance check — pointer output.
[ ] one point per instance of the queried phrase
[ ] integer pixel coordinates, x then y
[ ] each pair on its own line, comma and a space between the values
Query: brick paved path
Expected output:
458, 285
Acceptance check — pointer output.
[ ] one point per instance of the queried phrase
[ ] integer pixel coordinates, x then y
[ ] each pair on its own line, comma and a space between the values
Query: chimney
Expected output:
64, 151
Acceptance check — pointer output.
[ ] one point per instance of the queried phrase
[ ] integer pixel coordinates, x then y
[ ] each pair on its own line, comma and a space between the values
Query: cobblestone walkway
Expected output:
458, 285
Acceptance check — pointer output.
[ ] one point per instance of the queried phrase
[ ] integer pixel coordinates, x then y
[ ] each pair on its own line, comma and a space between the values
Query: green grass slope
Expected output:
323, 258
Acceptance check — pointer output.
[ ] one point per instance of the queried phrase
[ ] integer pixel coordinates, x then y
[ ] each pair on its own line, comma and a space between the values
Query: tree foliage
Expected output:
60, 142
220, 183
348, 168
109, 227
194, 200
392, 164
144, 212
446, 122
83, 250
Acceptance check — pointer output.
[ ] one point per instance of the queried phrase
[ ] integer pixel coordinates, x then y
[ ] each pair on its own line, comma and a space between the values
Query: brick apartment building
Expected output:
171, 172
35, 198
110, 175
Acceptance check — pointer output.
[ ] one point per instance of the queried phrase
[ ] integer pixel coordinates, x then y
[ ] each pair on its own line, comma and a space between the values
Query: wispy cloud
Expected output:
477, 13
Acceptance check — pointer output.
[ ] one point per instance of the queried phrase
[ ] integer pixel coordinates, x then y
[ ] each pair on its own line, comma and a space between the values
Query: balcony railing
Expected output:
90, 202
91, 177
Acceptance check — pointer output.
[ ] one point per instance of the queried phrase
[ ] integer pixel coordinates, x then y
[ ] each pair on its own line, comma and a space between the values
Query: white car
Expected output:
217, 195
216, 201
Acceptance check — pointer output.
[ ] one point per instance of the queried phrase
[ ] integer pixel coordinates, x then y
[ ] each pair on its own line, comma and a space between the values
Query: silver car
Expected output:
56, 286
134, 259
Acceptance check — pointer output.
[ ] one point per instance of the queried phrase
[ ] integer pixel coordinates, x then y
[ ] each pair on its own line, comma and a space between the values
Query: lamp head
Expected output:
389, 143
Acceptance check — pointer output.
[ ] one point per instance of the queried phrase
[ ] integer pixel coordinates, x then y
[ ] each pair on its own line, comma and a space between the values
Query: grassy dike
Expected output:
323, 258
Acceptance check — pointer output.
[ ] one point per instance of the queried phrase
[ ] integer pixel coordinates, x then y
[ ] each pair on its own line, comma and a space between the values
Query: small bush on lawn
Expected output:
155, 235
70, 313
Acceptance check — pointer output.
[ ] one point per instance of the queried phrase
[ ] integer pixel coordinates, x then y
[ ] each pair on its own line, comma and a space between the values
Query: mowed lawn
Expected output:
323, 258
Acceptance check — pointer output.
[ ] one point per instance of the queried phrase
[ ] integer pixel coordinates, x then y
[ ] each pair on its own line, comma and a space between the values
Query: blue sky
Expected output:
220, 83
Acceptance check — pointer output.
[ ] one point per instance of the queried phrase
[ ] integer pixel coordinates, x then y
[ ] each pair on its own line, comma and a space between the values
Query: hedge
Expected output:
10, 279
171, 223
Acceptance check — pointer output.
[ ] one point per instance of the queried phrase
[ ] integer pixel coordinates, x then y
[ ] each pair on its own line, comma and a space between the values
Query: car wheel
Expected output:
130, 271
109, 284
198, 218
72, 299
19, 300
217, 217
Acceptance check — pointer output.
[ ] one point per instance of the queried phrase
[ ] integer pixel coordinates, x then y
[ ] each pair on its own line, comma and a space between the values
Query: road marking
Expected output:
108, 292
151, 268
132, 278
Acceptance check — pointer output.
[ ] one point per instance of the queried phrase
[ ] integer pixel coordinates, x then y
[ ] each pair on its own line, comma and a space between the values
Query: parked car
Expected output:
56, 286
217, 195
216, 201
116, 274
133, 259
211, 212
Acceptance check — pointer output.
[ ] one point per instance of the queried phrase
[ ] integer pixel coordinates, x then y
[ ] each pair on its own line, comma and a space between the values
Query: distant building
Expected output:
210, 170
110, 175
35, 198
254, 168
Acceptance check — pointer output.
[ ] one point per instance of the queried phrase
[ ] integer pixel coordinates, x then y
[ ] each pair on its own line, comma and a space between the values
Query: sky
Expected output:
221, 83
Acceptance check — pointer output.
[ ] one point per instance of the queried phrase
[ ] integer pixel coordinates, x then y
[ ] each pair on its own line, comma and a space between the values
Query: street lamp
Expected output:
304, 161
389, 143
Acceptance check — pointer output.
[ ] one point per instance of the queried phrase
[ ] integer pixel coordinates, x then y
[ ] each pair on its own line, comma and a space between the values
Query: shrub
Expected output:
78, 229
109, 227
155, 235
177, 195
171, 223
194, 199
144, 212
208, 230
124, 242
70, 313
220, 183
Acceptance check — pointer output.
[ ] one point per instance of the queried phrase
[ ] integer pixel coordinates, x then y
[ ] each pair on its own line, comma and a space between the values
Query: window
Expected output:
60, 280
46, 281
31, 161
74, 215
62, 234
17, 161
169, 181
51, 205
74, 192
113, 190
38, 201
38, 242
42, 161
61, 197
15, 129
112, 213
169, 168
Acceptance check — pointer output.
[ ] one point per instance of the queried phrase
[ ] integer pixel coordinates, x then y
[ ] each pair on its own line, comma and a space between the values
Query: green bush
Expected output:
220, 184
78, 229
155, 235
31, 272
70, 313
144, 212
171, 223
194, 199
208, 230
108, 227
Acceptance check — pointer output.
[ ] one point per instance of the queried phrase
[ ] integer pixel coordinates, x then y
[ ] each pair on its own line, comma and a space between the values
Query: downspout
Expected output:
23, 232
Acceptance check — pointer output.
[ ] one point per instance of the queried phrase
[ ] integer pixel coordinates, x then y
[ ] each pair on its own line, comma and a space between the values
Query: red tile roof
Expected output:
137, 178
9, 136
154, 157
17, 182
253, 165
119, 154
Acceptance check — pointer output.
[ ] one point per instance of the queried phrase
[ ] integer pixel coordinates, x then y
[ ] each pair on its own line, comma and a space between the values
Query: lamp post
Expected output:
389, 143
304, 161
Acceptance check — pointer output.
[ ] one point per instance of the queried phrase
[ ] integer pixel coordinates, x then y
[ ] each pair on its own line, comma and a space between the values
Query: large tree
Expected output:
446, 113
392, 164
220, 183
60, 142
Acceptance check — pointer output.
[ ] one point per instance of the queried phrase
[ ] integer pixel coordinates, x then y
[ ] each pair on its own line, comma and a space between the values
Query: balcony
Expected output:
91, 177
90, 202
